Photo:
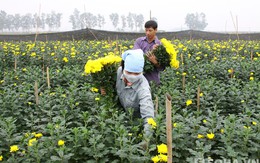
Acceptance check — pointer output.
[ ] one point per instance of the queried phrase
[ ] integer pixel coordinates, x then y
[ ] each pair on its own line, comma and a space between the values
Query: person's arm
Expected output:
146, 109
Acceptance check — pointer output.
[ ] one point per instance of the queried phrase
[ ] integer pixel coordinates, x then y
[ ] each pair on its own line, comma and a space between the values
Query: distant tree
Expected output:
17, 22
3, 17
53, 20
123, 19
37, 21
88, 20
58, 17
75, 19
130, 21
26, 22
114, 17
196, 21
43, 21
9, 22
100, 21
139, 21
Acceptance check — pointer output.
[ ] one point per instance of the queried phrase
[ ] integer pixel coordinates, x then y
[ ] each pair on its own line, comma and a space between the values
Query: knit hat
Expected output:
134, 60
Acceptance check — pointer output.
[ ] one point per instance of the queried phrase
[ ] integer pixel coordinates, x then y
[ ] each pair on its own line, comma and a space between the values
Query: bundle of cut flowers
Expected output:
102, 72
166, 56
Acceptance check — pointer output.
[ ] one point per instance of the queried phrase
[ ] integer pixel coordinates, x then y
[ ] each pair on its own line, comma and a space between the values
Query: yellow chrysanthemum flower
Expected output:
200, 136
93, 66
188, 102
65, 59
93, 89
39, 135
155, 159
32, 141
247, 127
14, 148
61, 143
1, 158
151, 122
162, 148
163, 158
210, 136
33, 54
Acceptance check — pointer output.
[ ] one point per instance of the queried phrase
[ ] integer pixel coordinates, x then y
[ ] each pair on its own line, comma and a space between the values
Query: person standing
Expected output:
147, 44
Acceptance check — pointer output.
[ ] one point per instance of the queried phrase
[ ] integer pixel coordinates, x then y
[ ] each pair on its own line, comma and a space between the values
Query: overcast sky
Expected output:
221, 15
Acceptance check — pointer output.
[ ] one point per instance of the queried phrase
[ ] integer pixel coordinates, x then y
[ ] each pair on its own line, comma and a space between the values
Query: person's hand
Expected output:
155, 46
152, 58
103, 91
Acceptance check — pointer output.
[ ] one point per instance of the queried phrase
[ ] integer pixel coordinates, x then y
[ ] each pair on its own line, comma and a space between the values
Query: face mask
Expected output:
132, 78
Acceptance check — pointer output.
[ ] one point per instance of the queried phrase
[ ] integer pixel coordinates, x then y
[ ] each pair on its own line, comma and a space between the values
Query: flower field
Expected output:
51, 111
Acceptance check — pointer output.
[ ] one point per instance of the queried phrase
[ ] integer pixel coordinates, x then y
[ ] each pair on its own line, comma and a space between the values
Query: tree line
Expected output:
52, 21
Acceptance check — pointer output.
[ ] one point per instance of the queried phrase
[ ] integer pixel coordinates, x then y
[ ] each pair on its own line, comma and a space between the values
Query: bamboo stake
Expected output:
169, 127
48, 77
251, 55
15, 63
36, 93
232, 73
198, 99
183, 83
182, 61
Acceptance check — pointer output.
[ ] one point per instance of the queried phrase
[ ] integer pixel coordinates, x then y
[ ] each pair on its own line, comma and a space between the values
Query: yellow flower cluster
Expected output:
151, 122
188, 102
172, 52
93, 66
14, 148
32, 141
162, 150
61, 142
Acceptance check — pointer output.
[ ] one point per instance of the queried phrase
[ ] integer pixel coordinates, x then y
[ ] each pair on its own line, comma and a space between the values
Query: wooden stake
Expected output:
251, 55
48, 77
183, 83
169, 127
182, 59
15, 63
73, 38
36, 93
198, 99
232, 73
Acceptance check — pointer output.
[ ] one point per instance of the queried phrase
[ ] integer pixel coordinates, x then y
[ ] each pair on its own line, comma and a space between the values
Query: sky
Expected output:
221, 15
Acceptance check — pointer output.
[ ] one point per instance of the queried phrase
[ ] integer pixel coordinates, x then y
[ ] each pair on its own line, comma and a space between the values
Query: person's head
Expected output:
150, 29
133, 65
